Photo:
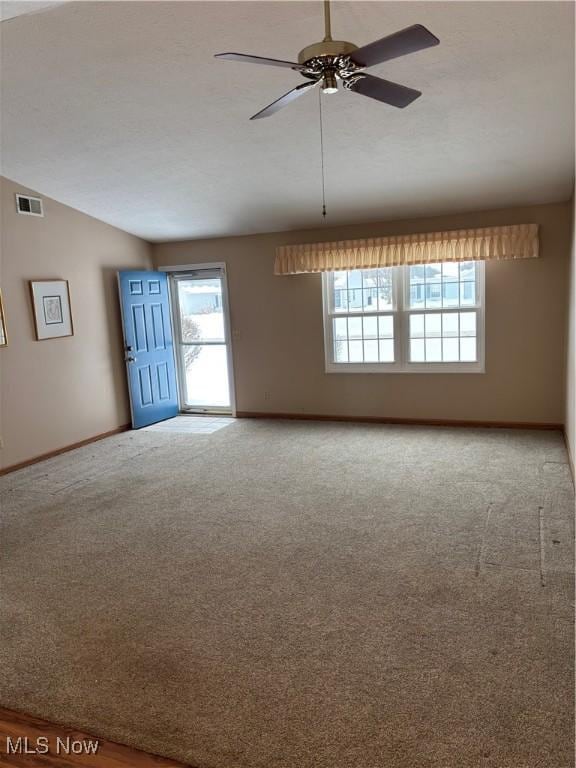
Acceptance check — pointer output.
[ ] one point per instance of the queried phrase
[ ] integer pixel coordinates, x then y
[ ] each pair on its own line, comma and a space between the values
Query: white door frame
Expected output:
214, 265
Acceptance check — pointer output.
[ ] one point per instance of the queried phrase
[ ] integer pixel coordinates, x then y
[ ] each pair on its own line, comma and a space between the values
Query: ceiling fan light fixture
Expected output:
329, 83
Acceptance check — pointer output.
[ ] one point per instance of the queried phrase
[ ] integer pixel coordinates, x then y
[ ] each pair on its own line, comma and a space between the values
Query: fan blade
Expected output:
384, 90
409, 40
283, 101
257, 60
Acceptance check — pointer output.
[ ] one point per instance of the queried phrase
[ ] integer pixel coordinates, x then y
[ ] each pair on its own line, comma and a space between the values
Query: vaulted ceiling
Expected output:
120, 110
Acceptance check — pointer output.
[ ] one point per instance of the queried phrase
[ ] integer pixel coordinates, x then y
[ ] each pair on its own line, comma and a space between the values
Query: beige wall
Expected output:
570, 418
57, 392
278, 336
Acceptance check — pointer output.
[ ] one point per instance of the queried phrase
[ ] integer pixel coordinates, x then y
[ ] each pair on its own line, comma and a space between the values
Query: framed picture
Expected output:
3, 332
51, 302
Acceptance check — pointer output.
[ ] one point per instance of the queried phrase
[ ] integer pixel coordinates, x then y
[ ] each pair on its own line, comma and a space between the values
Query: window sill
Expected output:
381, 368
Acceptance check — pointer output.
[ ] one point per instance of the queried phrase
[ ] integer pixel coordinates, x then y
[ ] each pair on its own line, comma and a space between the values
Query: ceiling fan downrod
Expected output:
327, 26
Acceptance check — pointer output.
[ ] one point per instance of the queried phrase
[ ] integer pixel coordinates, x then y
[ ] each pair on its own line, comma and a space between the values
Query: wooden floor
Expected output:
42, 743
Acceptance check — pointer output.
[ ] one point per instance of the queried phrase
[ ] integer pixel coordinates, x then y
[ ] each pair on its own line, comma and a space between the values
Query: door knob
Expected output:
130, 359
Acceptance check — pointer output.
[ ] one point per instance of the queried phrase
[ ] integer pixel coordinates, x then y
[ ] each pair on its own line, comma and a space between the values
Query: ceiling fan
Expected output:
327, 62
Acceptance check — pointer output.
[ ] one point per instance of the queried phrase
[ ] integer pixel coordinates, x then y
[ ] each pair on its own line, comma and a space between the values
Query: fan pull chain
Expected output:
322, 156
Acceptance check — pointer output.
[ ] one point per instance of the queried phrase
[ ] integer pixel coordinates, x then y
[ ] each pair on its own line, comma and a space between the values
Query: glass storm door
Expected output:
203, 352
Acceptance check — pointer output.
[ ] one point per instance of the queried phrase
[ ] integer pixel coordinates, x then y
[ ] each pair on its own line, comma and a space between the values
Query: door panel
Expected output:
149, 350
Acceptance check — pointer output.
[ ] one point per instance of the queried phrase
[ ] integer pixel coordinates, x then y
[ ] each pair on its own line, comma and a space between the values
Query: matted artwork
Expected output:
3, 332
52, 315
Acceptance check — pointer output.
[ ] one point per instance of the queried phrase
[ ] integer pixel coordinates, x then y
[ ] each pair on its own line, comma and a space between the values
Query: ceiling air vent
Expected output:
31, 206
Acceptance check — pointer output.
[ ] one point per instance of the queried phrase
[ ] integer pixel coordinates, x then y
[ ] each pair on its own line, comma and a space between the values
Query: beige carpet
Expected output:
298, 595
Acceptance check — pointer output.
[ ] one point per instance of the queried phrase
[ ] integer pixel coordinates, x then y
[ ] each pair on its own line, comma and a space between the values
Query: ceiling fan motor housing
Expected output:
328, 60
326, 48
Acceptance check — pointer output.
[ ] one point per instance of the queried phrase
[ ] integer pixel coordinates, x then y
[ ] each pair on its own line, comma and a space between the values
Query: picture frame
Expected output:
3, 331
52, 311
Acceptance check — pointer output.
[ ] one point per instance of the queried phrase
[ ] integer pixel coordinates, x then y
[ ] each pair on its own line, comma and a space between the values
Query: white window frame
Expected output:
401, 314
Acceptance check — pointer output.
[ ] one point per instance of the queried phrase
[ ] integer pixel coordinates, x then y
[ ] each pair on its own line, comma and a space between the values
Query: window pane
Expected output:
370, 278
450, 324
340, 351
370, 299
386, 350
417, 273
385, 294
371, 351
467, 270
433, 273
201, 315
370, 327
416, 326
355, 300
467, 293
340, 280
341, 328
355, 351
370, 289
417, 295
340, 301
450, 294
450, 352
340, 331
433, 325
450, 270
433, 350
386, 327
468, 350
355, 278
433, 295
355, 327
468, 323
417, 351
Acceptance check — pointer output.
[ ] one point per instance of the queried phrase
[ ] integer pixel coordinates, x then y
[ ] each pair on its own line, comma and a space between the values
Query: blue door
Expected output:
148, 346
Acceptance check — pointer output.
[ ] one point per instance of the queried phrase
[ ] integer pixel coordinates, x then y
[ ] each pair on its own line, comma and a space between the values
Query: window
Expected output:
423, 318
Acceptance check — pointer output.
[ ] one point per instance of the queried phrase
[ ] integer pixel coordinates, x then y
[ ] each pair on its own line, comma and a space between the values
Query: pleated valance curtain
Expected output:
518, 241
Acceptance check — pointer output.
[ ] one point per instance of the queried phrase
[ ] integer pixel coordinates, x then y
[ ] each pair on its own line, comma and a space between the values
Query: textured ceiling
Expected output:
118, 109
9, 9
